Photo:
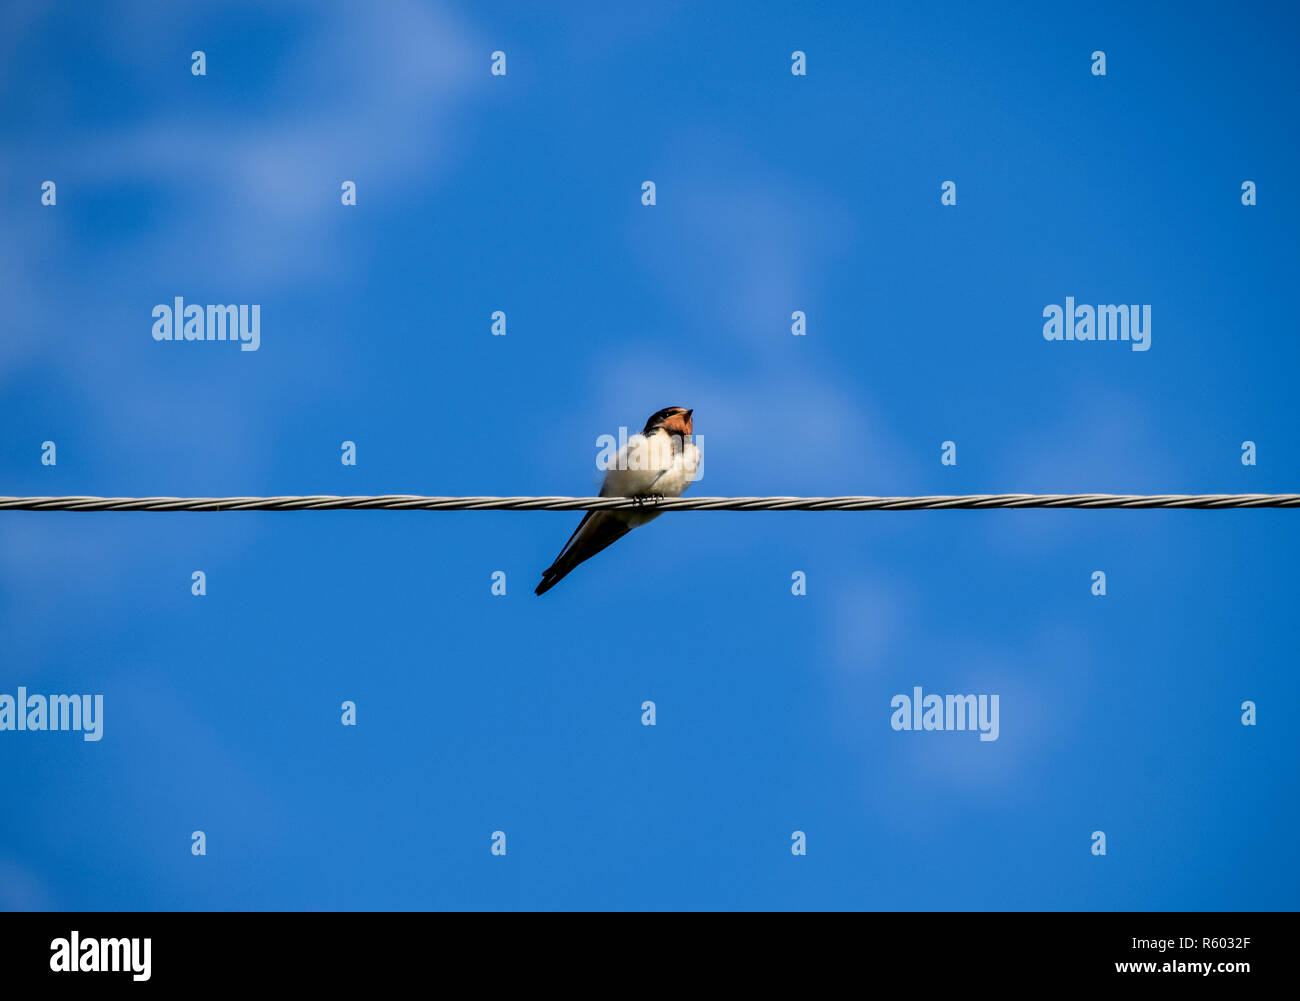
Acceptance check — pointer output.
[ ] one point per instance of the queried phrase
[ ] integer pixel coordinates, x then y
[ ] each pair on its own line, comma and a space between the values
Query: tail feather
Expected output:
597, 530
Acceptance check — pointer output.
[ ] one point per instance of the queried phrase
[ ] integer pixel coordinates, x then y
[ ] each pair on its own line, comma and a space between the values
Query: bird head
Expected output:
673, 420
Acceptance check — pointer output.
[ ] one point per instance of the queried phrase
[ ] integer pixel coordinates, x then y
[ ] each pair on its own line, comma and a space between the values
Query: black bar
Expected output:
867, 951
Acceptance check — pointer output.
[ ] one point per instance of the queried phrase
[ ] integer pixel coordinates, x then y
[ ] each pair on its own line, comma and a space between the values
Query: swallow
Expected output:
661, 461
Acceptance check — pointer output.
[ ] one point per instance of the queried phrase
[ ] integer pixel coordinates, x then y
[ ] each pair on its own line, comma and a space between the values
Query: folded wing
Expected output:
597, 530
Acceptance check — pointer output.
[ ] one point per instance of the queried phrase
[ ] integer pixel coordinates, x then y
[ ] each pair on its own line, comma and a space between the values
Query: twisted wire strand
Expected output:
415, 502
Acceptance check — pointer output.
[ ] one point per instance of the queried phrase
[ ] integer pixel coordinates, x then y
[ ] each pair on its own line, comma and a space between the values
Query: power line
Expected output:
414, 502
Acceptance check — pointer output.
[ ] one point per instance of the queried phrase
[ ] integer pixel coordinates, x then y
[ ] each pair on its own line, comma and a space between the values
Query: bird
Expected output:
661, 461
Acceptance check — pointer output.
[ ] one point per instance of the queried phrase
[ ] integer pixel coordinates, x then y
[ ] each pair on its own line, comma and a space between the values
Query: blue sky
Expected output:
774, 193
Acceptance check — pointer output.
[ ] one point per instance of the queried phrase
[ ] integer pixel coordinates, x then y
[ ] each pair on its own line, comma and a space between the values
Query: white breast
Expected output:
650, 466
680, 473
